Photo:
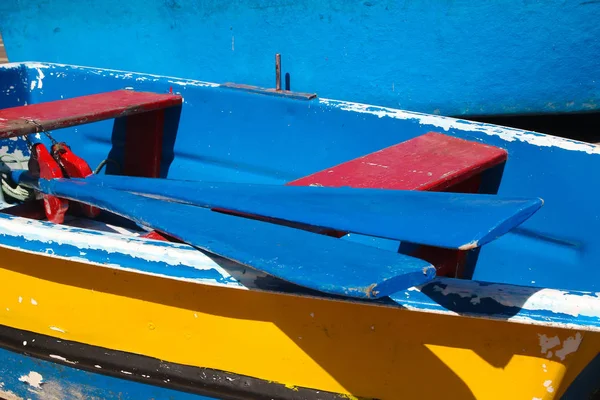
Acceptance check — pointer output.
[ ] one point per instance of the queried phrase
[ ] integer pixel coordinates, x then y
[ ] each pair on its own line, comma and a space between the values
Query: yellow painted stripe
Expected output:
343, 347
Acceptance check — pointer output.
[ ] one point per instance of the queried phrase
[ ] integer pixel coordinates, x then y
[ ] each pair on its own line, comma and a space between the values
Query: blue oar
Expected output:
307, 259
450, 220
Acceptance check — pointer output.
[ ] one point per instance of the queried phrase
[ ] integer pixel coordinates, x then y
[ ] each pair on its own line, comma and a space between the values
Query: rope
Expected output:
103, 163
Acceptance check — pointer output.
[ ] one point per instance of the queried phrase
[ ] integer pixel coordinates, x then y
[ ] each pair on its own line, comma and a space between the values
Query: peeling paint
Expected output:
33, 379
570, 345
469, 246
547, 343
553, 300
447, 123
40, 77
62, 359
547, 385
111, 243
7, 394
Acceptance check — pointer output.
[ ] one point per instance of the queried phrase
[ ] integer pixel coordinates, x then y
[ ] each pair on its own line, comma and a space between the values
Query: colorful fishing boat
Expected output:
170, 238
452, 58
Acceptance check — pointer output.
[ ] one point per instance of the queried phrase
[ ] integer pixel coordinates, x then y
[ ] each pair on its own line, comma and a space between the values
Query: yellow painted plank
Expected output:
358, 349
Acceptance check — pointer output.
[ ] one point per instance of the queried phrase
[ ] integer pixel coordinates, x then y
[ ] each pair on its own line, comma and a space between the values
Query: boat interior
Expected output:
105, 122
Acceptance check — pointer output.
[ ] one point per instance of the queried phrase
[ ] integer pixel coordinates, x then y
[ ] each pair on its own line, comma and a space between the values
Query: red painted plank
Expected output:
51, 115
143, 144
433, 162
429, 162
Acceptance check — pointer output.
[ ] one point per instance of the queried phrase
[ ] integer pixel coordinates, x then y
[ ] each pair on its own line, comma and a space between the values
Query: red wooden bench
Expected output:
433, 162
143, 114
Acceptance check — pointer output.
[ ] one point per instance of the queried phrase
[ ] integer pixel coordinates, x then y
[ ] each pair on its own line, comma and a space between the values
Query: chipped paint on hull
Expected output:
447, 124
518, 304
109, 249
44, 380
544, 307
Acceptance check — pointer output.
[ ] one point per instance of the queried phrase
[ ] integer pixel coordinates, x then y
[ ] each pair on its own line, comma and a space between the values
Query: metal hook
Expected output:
40, 129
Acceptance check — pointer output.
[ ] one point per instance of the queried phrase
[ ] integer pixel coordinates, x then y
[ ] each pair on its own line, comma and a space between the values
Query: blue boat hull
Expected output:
440, 57
73, 284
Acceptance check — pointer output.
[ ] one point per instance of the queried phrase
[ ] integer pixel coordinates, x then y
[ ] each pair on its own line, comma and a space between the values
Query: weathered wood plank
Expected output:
22, 120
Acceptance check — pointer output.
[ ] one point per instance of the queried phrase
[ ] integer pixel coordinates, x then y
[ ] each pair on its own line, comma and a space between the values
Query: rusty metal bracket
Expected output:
273, 92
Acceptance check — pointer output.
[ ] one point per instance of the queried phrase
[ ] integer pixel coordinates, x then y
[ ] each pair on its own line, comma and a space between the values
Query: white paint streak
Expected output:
377, 165
24, 342
547, 343
550, 300
34, 379
126, 372
111, 243
62, 359
570, 345
40, 78
57, 329
470, 245
447, 123
98, 366
185, 83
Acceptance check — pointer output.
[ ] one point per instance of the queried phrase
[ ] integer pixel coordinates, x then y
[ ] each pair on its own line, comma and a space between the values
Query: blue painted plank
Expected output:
306, 259
447, 57
450, 220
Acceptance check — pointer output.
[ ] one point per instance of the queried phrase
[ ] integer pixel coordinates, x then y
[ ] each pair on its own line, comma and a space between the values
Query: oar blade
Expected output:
314, 261
449, 220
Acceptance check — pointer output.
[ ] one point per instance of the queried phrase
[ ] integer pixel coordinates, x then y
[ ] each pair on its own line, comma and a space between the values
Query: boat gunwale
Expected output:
447, 296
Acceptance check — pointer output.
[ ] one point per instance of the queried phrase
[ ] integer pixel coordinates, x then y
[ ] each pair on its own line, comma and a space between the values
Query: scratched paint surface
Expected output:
303, 341
447, 57
528, 305
23, 377
292, 144
297, 138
